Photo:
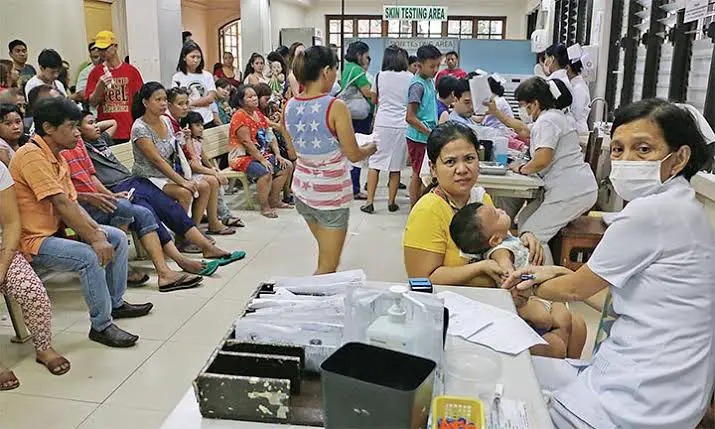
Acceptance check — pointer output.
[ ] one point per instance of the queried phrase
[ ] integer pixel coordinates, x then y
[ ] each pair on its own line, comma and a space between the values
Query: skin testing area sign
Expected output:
414, 13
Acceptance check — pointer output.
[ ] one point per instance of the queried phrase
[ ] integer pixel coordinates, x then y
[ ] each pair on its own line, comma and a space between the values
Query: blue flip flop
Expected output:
229, 259
211, 268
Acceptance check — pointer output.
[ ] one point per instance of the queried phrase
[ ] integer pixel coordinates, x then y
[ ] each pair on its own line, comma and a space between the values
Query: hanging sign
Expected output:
412, 44
414, 13
695, 9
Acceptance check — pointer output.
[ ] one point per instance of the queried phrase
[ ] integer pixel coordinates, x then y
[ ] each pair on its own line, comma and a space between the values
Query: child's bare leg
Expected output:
579, 332
536, 314
562, 324
554, 349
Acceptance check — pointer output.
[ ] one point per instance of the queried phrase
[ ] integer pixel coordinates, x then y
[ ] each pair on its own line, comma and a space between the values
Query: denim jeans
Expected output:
103, 288
139, 219
224, 213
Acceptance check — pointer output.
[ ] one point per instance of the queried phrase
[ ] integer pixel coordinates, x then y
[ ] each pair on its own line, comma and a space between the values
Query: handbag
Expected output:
181, 164
353, 98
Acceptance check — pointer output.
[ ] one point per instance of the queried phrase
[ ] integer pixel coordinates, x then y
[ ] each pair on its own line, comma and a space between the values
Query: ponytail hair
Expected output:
560, 54
496, 87
144, 93
539, 89
308, 64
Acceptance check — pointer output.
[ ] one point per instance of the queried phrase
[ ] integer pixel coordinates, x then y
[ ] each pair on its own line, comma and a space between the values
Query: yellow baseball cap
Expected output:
104, 39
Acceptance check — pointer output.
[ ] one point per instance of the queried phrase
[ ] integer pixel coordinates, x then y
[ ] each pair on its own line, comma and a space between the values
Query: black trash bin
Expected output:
370, 387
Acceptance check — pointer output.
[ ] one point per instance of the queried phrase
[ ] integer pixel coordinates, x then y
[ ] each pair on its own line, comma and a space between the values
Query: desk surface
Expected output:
518, 377
509, 181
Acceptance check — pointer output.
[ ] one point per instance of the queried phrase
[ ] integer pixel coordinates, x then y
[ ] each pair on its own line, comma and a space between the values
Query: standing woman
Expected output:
190, 74
581, 93
656, 368
321, 184
389, 90
226, 70
556, 59
254, 70
570, 189
294, 88
353, 74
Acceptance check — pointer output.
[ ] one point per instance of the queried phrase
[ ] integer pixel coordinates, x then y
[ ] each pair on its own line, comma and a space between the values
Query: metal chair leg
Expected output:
22, 335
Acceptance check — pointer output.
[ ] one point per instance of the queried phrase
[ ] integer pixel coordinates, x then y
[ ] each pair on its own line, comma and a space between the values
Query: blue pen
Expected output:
525, 277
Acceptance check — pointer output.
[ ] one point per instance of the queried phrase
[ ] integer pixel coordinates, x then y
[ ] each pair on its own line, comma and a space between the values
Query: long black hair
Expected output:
188, 48
537, 89
249, 66
355, 49
678, 126
144, 93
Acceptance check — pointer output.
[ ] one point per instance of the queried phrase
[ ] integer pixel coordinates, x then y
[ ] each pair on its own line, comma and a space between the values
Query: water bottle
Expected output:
501, 149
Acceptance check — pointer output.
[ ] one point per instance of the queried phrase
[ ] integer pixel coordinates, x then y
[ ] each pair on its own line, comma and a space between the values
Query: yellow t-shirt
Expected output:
428, 227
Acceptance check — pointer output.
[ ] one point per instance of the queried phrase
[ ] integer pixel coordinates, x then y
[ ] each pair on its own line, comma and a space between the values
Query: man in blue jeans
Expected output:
58, 235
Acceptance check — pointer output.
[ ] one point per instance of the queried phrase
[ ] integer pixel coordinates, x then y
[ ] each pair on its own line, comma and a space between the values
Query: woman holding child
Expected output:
430, 250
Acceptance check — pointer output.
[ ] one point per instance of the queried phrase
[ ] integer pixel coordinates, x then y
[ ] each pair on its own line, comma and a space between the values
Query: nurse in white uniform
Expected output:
579, 65
570, 189
656, 369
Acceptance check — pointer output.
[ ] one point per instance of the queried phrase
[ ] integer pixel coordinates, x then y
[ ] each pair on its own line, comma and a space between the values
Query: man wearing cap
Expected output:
111, 86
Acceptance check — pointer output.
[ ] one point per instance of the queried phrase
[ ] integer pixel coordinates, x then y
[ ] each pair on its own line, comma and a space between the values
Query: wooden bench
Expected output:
215, 145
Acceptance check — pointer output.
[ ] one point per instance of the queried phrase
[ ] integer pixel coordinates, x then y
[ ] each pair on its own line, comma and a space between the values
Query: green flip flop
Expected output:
233, 257
211, 268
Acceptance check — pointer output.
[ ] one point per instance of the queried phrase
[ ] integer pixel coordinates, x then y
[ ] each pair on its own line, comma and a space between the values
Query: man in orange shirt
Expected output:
48, 208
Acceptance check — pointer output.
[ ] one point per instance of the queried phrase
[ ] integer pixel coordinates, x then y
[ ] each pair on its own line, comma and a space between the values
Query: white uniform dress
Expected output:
390, 124
579, 106
656, 369
570, 189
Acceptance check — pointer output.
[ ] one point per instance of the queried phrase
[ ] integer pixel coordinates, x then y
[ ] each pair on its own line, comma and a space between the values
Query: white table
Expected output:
518, 378
511, 185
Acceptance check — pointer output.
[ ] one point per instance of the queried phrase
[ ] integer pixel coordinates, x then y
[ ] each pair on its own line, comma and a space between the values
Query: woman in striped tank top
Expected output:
320, 128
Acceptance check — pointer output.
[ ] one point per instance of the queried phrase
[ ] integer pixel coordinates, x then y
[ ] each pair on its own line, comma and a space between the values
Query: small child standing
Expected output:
479, 229
201, 165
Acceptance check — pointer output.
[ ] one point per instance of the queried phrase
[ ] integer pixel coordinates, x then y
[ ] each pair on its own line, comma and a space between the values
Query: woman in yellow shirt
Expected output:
428, 247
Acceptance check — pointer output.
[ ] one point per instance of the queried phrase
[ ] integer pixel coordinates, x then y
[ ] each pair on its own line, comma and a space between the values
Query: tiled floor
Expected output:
138, 387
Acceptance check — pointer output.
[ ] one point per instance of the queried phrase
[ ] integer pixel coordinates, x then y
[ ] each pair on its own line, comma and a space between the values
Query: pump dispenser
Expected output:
392, 330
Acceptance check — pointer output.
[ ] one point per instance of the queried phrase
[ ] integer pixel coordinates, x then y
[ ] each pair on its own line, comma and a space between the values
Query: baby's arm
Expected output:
504, 258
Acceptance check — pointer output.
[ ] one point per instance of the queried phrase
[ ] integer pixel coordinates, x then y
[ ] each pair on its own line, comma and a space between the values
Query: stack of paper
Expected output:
488, 325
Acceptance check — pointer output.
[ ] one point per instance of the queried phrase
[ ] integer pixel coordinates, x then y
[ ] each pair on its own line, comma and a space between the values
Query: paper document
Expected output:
327, 284
509, 335
481, 93
363, 140
511, 415
467, 316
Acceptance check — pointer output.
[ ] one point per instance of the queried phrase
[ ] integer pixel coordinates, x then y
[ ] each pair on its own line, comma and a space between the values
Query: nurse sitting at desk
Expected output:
570, 189
656, 369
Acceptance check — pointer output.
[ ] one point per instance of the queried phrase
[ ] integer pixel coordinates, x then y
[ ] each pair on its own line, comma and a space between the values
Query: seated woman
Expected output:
656, 368
11, 131
19, 281
157, 156
428, 247
254, 150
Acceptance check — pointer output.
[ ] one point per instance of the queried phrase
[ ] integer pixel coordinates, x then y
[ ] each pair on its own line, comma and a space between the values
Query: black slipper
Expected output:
141, 281
186, 281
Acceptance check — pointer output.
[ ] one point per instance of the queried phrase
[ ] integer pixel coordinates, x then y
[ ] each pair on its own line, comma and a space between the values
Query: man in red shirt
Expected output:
453, 69
111, 86
115, 209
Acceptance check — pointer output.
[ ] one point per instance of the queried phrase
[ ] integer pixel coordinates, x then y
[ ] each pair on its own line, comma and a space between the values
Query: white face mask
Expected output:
636, 179
524, 115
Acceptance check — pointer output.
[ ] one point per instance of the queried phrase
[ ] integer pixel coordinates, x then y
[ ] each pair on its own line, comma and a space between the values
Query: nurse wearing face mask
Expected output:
570, 189
555, 62
656, 368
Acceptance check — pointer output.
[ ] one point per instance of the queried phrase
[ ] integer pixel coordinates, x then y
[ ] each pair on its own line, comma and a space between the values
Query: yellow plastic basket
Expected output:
458, 407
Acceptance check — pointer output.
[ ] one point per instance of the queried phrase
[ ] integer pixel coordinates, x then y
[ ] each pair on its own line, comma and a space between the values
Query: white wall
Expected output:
45, 24
255, 27
514, 10
286, 14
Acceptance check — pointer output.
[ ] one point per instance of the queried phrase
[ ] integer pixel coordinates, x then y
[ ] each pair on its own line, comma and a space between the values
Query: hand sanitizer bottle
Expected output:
392, 331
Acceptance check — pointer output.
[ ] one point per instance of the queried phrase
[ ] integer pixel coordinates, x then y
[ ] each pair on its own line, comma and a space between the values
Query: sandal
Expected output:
140, 282
8, 377
211, 268
230, 258
234, 222
186, 281
271, 214
223, 231
282, 205
55, 365
189, 247
368, 208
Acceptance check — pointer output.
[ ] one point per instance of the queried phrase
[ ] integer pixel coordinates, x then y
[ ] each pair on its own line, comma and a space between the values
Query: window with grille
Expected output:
228, 39
572, 20
461, 27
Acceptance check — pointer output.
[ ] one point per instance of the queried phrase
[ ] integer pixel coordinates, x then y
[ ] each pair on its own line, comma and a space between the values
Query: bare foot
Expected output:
281, 205
214, 252
46, 357
8, 381
193, 266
